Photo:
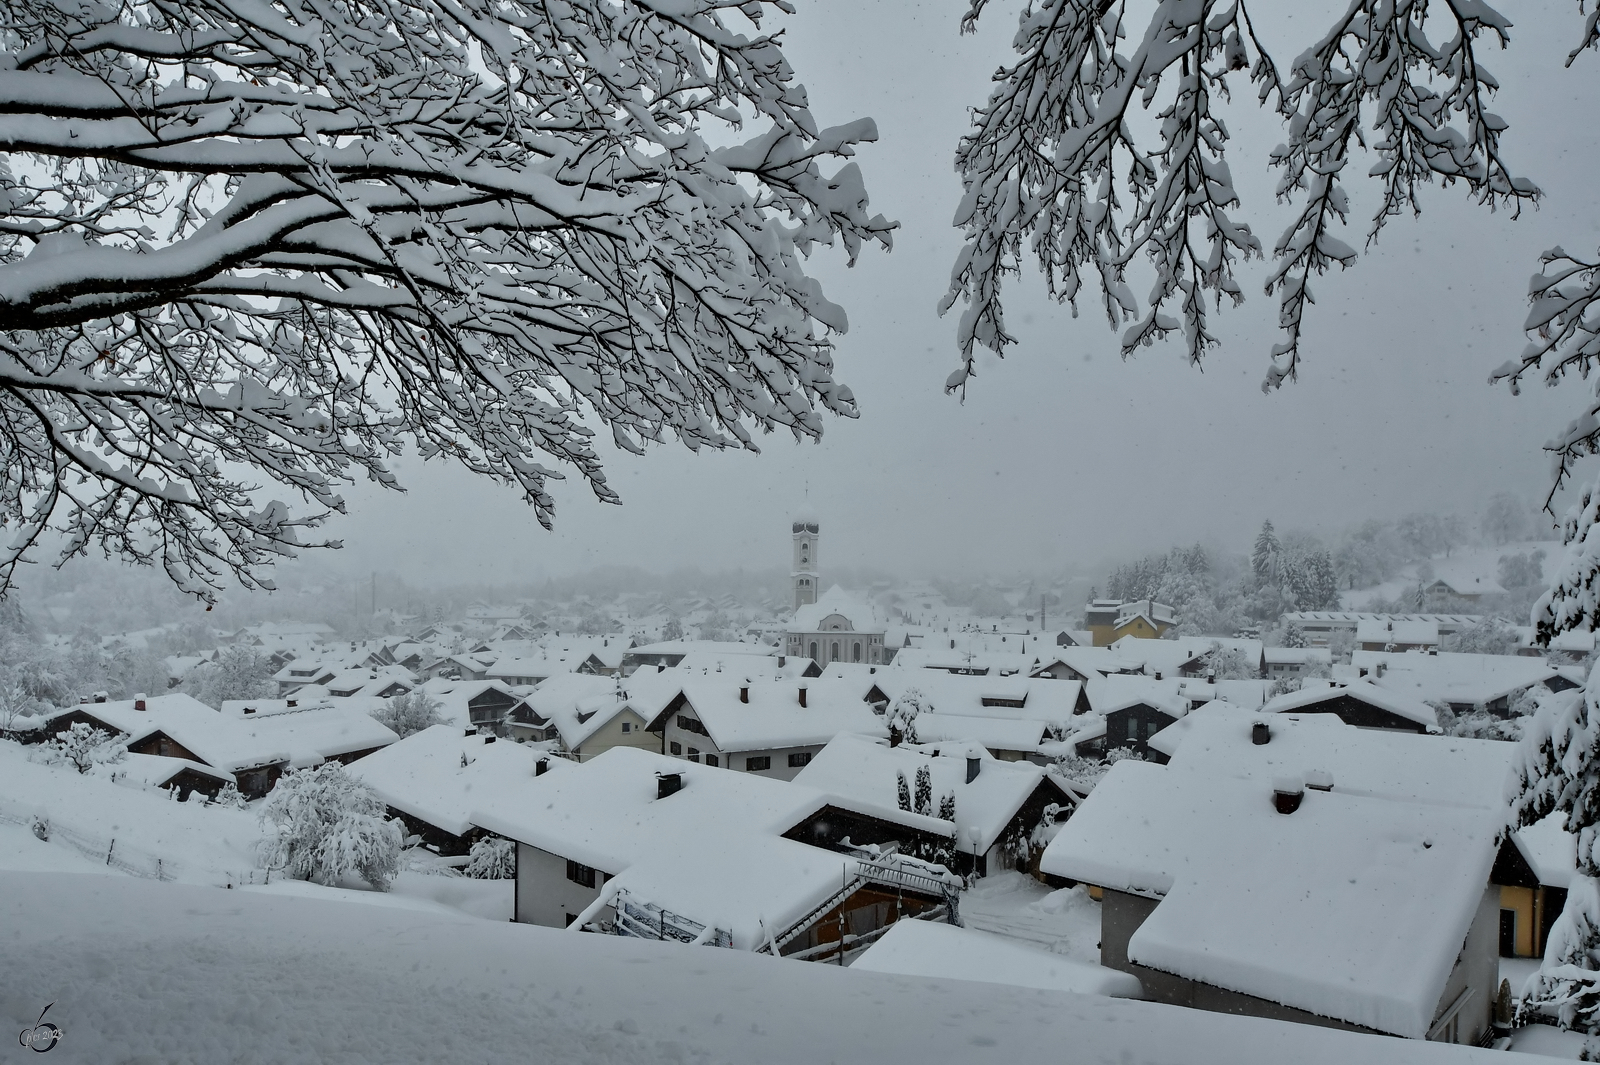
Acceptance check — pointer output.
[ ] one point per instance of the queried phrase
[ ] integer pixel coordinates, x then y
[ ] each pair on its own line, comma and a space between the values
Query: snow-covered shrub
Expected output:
1085, 771
1122, 754
323, 824
83, 747
409, 713
492, 858
239, 672
230, 797
1567, 985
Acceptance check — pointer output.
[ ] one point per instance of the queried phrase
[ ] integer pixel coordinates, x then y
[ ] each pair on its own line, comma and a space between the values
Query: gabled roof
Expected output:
773, 718
1307, 700
1453, 678
310, 734
578, 704
1353, 907
713, 851
869, 772
927, 948
221, 742
423, 776
1447, 770
993, 733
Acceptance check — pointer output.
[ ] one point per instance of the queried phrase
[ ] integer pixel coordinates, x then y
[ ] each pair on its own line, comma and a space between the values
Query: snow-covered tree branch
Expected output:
252, 249
1053, 158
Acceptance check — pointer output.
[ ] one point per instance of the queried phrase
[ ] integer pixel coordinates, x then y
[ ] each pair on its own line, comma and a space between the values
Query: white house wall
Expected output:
544, 894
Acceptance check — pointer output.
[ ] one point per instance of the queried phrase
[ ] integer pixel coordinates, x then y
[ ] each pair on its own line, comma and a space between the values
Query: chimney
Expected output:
782, 661
802, 695
668, 784
248, 709
744, 691
974, 765
1260, 734
1381, 667
138, 702
1319, 780
489, 739
541, 767
99, 697
1158, 674
1287, 793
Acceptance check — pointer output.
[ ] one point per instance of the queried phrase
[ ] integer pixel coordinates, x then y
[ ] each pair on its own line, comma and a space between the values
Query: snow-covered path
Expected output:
178, 974
1066, 922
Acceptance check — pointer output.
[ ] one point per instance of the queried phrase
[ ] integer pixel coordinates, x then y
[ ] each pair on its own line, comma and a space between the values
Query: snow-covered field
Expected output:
175, 973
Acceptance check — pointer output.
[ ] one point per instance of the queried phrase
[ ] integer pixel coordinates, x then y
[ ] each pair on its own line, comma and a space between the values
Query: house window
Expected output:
694, 754
676, 747
800, 759
689, 724
627, 727
711, 759
579, 873
1130, 728
756, 765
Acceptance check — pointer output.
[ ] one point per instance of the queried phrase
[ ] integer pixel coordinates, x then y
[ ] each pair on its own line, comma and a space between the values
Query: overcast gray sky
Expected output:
1063, 455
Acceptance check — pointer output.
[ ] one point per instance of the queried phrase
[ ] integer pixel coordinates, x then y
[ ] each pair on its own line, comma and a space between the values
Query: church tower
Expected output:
804, 570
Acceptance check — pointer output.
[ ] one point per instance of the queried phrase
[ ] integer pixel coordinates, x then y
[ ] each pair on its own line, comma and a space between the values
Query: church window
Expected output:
858, 652
813, 649
835, 656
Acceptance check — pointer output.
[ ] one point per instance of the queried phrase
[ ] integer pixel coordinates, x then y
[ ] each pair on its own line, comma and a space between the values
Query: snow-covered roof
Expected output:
1306, 700
993, 663
1042, 699
1120, 691
423, 775
867, 771
1464, 579
1089, 661
859, 614
928, 948
1398, 631
994, 733
1216, 740
578, 704
221, 742
1452, 678
713, 851
1353, 907
711, 647
311, 735
773, 717
453, 697
1298, 655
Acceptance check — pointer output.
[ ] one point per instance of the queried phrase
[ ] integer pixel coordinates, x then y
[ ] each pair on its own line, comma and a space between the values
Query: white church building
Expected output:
833, 627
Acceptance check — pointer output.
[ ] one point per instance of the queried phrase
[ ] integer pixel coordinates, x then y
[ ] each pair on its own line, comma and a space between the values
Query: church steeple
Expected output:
804, 571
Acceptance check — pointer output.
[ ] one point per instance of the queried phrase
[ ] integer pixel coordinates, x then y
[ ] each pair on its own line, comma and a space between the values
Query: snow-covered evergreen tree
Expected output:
947, 807
902, 717
492, 858
923, 802
1293, 636
323, 825
903, 792
1264, 557
287, 240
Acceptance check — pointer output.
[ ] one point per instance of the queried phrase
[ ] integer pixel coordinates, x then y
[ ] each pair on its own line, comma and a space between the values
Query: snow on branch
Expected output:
252, 249
1052, 159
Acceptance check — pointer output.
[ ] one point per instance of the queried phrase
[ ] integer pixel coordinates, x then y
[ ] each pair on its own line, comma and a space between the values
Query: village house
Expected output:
480, 704
1391, 634
1360, 703
641, 845
588, 714
1297, 896
668, 653
1321, 626
179, 726
1464, 682
1533, 871
1291, 663
768, 727
998, 805
434, 779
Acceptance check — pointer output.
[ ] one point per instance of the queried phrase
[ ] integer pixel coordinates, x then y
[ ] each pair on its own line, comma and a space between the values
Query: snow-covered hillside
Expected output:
179, 974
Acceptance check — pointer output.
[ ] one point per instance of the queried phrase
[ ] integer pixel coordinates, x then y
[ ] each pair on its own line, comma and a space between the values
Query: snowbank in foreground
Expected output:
178, 974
